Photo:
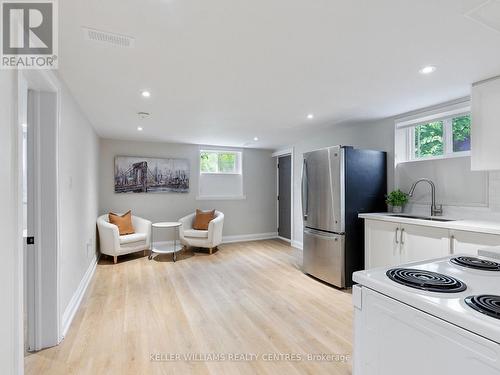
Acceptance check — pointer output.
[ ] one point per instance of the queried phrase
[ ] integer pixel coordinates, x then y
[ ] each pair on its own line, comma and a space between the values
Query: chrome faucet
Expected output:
435, 210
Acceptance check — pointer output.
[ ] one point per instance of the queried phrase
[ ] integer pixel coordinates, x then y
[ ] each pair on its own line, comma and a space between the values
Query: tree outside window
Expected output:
223, 162
430, 139
461, 133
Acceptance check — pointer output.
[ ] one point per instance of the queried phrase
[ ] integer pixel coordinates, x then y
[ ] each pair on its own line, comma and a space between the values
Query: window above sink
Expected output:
450, 137
441, 133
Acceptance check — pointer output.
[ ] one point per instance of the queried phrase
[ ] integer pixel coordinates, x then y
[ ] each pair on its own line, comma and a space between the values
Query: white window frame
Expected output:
239, 161
405, 132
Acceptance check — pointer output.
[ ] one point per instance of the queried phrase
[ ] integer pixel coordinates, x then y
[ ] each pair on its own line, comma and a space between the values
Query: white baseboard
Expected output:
249, 237
74, 304
297, 245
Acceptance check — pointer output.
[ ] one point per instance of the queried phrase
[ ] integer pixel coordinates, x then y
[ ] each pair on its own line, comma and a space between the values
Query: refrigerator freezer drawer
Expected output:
324, 256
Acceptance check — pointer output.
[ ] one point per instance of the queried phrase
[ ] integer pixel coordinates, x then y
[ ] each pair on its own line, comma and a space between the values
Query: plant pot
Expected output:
397, 209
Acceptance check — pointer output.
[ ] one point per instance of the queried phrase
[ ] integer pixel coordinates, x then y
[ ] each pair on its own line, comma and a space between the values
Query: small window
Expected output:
438, 133
461, 133
220, 162
444, 138
429, 139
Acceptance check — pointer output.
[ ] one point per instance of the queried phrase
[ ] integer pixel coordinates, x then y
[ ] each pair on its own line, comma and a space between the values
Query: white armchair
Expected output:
209, 239
111, 243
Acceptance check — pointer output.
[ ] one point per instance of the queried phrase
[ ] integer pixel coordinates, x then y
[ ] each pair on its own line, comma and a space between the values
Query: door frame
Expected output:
277, 155
44, 307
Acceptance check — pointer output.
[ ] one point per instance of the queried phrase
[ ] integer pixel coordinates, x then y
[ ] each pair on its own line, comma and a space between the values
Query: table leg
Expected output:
151, 245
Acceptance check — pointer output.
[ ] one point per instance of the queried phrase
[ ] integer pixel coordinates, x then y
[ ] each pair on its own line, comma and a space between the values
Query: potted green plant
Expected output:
396, 200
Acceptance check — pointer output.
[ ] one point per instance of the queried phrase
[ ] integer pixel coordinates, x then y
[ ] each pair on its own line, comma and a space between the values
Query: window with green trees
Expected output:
443, 137
224, 162
429, 140
461, 133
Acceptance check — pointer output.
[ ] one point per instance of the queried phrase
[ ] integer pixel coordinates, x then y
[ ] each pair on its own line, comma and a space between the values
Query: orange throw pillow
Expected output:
202, 219
123, 222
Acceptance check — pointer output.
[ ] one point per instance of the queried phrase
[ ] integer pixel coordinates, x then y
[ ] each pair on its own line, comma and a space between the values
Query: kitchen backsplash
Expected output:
463, 193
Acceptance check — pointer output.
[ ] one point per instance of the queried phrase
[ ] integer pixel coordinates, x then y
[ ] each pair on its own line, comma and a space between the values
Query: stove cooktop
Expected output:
476, 263
445, 289
426, 280
485, 304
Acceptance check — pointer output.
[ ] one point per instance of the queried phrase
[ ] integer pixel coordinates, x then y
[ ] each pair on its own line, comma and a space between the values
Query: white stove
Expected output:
434, 317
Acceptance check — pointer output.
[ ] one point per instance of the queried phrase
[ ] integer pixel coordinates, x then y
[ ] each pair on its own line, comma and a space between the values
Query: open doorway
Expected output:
38, 191
285, 195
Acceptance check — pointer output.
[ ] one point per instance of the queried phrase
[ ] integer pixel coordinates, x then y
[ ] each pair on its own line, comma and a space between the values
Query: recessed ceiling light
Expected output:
310, 116
140, 128
255, 139
427, 69
146, 94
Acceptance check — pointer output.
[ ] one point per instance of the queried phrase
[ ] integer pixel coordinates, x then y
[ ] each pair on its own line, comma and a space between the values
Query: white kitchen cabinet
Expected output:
389, 244
485, 132
463, 242
381, 244
420, 242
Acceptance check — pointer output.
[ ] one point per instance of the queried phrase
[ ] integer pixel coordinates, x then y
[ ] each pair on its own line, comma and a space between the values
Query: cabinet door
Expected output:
420, 243
381, 244
470, 242
485, 153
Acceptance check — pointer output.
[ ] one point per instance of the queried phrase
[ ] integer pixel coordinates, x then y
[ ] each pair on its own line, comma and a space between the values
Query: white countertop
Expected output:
167, 224
479, 226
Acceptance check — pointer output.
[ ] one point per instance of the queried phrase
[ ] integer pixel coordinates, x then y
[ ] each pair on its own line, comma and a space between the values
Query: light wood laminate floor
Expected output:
247, 298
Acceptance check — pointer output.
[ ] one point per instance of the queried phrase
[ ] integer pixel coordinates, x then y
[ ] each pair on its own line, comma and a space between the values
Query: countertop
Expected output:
478, 226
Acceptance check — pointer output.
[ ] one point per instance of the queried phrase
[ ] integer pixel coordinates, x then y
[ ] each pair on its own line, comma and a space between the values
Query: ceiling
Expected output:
222, 72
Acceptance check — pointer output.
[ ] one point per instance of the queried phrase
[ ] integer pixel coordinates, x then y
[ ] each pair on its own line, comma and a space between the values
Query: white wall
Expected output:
456, 184
78, 146
78, 176
464, 194
377, 135
11, 346
251, 216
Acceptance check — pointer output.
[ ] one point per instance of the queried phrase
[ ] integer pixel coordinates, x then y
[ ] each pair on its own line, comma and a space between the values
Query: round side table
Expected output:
166, 247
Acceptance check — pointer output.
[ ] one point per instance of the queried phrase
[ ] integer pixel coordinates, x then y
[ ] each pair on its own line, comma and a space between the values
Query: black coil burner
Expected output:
426, 280
476, 263
485, 304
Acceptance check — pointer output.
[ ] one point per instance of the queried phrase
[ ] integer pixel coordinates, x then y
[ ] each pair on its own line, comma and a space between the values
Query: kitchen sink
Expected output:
423, 218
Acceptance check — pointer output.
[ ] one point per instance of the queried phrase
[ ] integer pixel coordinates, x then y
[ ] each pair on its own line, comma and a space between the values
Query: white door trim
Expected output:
46, 302
284, 152
277, 155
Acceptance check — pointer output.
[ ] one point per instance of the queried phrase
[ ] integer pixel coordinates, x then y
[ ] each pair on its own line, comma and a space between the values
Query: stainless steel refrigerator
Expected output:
338, 183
